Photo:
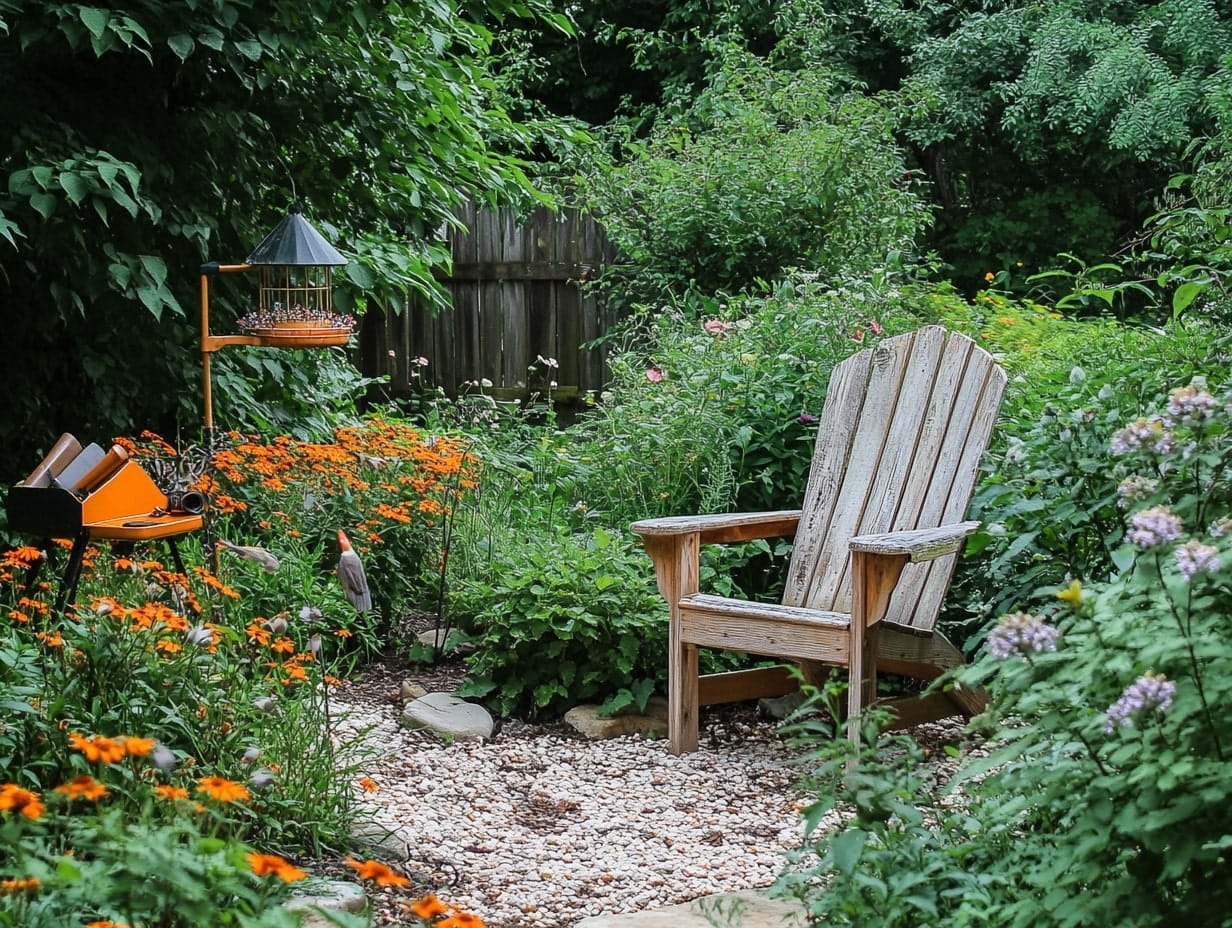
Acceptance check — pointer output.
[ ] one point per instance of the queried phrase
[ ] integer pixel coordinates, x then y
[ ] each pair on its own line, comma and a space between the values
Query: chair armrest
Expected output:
920, 544
721, 528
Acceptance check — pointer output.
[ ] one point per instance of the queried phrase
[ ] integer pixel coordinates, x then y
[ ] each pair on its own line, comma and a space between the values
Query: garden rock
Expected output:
432, 639
651, 724
449, 716
329, 895
411, 691
736, 910
781, 707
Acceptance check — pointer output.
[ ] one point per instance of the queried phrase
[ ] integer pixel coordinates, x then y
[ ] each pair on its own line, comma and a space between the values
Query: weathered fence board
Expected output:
516, 303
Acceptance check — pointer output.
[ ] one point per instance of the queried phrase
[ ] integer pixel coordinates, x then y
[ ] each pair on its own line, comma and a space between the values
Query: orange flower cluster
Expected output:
263, 864
417, 472
98, 749
429, 908
83, 787
376, 871
19, 885
14, 798
222, 790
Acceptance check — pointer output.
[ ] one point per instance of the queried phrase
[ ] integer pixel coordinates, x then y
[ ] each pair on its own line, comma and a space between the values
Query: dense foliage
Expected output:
141, 141
1101, 797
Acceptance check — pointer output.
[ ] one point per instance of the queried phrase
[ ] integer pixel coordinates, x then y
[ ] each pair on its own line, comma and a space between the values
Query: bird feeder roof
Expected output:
295, 242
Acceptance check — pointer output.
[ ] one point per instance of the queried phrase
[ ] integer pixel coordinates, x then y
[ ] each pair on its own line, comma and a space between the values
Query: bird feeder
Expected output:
295, 302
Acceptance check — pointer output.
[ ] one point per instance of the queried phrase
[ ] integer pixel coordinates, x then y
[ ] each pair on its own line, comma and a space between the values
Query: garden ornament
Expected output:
253, 553
351, 576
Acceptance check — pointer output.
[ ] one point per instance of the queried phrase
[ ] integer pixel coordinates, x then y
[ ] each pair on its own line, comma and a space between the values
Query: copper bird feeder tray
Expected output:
295, 307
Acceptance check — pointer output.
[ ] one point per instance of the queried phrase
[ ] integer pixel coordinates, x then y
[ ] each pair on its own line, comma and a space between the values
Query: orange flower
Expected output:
462, 920
52, 641
344, 633
222, 790
138, 747
170, 793
427, 908
18, 885
83, 787
377, 872
105, 923
283, 646
370, 785
98, 749
263, 864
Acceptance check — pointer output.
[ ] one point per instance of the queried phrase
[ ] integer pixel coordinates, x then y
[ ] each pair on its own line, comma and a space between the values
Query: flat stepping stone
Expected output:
330, 895
449, 716
650, 724
747, 909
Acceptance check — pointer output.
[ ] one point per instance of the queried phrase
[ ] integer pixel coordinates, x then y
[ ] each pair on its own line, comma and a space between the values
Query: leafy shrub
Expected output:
566, 618
1049, 505
765, 171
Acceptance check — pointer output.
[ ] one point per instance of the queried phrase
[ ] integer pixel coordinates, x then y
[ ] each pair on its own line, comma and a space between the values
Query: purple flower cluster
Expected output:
1194, 557
1135, 488
1022, 633
1153, 527
1149, 692
1191, 405
1151, 434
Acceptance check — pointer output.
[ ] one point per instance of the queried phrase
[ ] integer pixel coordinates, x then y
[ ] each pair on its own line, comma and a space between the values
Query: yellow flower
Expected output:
989, 276
1072, 593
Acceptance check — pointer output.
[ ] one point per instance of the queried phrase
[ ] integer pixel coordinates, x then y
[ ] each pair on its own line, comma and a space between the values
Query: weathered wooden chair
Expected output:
896, 461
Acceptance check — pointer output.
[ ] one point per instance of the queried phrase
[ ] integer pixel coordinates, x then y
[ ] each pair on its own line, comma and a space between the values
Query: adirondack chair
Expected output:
897, 456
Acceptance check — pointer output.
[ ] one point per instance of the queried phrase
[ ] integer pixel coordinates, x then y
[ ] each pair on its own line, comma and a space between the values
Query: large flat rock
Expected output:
730, 910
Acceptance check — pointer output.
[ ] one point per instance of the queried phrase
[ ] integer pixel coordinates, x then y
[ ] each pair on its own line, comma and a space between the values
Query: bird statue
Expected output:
351, 576
253, 553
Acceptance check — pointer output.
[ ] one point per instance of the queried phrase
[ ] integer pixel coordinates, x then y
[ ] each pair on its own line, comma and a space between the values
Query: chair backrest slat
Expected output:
898, 447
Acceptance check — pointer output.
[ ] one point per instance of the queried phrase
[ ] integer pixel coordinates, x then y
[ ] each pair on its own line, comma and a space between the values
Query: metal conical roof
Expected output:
295, 242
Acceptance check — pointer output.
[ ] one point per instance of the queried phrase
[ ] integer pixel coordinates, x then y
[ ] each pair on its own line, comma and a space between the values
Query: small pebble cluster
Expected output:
541, 828
535, 830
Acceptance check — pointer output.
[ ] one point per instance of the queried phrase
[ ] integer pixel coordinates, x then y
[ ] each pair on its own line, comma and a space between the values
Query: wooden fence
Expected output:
517, 306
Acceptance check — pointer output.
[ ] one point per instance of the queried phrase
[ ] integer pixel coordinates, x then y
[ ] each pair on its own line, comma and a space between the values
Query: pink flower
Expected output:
653, 374
716, 326
875, 327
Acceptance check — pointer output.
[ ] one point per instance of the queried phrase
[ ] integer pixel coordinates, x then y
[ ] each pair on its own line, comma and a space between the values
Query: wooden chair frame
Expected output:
896, 460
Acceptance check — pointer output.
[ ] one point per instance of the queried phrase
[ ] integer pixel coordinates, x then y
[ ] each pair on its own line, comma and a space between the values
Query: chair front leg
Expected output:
676, 559
873, 578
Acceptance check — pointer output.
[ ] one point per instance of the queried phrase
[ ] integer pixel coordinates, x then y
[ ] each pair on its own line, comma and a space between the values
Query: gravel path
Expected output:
539, 828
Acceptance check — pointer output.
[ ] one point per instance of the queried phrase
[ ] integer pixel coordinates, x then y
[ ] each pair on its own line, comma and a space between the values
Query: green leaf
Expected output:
846, 847
75, 186
1185, 294
605, 581
44, 203
155, 266
182, 44
95, 20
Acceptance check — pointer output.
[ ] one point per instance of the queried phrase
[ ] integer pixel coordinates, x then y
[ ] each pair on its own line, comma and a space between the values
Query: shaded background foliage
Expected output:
140, 141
